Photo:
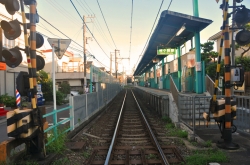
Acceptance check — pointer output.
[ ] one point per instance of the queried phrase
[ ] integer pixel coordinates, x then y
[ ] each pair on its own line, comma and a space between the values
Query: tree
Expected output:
245, 48
64, 87
47, 85
208, 54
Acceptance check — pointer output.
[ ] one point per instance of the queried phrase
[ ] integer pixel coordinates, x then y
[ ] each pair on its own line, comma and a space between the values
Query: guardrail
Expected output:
56, 124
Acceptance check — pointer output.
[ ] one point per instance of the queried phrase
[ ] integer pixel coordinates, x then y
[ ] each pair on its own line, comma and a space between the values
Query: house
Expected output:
217, 38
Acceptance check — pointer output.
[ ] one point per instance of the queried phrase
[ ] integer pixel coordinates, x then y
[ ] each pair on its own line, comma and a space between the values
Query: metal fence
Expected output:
191, 108
160, 103
85, 106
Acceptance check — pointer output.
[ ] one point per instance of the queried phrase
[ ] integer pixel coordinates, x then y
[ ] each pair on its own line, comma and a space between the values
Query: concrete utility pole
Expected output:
116, 63
111, 64
84, 54
84, 50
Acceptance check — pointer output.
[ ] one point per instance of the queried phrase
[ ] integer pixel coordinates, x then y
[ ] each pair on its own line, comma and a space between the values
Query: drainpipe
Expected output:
179, 67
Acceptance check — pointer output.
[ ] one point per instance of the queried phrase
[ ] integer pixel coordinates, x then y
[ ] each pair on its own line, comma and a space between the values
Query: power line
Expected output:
152, 29
75, 49
106, 23
169, 4
99, 28
88, 29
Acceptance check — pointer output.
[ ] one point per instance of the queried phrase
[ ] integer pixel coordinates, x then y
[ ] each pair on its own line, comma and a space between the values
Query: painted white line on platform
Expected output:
63, 119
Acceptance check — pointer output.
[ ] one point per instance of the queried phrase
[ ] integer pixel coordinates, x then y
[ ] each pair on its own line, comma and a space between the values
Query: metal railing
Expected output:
56, 124
191, 108
174, 90
70, 69
210, 86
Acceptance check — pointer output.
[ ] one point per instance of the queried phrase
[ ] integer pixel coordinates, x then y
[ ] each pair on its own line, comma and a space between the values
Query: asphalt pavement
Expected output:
240, 156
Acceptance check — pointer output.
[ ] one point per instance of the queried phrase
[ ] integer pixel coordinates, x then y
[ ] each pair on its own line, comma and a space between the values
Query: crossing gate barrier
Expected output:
20, 124
219, 114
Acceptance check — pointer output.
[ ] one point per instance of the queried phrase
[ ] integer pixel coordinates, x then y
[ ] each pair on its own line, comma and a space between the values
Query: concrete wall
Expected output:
86, 105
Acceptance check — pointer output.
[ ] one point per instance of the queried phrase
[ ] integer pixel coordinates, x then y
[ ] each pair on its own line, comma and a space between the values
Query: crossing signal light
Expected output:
27, 15
243, 37
39, 40
11, 6
13, 57
242, 17
22, 83
12, 29
40, 63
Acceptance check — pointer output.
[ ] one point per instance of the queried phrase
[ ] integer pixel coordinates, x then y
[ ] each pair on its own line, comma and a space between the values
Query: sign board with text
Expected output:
165, 51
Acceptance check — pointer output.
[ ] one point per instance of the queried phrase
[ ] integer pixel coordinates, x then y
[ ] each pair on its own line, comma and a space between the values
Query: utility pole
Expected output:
111, 64
84, 51
84, 54
116, 65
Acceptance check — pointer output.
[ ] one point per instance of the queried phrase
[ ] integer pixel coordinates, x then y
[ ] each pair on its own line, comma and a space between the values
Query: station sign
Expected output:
165, 51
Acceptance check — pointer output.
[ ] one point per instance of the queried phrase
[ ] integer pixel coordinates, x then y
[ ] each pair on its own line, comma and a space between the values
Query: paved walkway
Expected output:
237, 157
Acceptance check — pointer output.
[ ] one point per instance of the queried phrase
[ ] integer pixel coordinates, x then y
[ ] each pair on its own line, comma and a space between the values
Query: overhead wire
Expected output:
152, 29
89, 11
75, 49
63, 12
131, 26
89, 30
98, 26
106, 24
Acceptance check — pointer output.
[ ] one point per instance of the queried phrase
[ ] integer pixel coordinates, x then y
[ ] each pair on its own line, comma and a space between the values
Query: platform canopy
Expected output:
166, 35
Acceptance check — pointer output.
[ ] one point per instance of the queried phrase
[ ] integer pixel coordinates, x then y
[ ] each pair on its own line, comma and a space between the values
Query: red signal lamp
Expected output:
12, 29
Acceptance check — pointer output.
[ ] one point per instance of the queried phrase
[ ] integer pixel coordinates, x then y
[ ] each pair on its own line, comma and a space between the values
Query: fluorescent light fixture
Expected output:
181, 30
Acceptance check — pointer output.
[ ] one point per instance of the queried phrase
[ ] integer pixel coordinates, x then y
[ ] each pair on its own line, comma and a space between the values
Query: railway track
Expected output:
127, 134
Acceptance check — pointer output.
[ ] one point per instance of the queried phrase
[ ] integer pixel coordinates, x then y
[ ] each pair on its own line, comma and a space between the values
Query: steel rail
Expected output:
164, 159
115, 132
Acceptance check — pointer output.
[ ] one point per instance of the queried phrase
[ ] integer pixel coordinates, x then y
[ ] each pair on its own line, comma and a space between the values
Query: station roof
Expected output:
165, 35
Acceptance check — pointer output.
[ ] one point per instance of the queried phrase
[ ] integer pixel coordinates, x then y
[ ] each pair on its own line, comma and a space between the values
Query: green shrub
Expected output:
8, 101
56, 145
205, 157
64, 87
59, 98
166, 119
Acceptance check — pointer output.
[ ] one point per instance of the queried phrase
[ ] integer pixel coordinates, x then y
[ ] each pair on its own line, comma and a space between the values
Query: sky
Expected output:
61, 15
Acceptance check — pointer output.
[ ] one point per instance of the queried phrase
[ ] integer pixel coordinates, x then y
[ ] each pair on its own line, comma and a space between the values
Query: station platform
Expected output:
240, 156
